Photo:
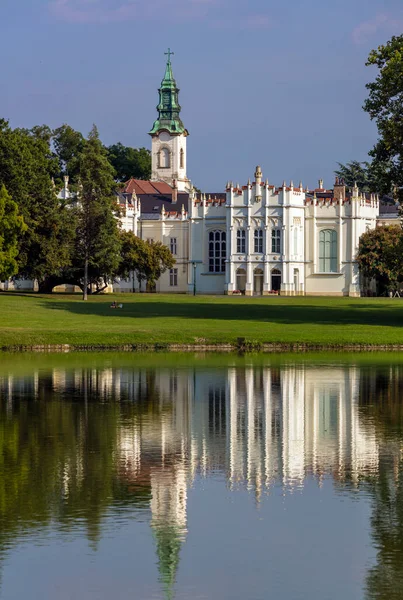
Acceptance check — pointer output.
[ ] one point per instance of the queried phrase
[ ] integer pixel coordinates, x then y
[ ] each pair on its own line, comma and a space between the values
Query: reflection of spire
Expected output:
168, 508
169, 541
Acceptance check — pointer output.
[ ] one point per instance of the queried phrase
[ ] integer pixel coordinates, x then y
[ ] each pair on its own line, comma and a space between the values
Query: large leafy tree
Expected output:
130, 162
68, 145
98, 242
385, 106
379, 256
27, 166
11, 226
148, 260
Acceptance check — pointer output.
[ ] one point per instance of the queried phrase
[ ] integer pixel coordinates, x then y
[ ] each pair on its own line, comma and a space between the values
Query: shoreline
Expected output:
241, 345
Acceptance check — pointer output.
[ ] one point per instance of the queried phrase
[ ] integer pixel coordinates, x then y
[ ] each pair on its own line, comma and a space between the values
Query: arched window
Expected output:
259, 240
217, 249
241, 241
164, 158
296, 241
181, 159
328, 251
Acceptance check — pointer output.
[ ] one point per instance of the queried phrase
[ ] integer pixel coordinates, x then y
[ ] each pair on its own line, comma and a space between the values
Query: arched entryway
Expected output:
275, 280
241, 280
258, 282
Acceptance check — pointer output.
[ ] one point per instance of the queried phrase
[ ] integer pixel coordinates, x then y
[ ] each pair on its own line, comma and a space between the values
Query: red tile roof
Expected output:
138, 186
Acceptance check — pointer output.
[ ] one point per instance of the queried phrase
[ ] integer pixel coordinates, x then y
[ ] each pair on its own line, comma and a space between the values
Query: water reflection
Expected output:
90, 448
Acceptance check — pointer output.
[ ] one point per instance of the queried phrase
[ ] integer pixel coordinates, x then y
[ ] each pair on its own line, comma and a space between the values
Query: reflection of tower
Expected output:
293, 425
168, 509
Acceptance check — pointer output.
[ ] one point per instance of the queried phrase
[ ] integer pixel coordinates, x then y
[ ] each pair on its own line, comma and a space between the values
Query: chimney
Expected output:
174, 193
320, 184
339, 191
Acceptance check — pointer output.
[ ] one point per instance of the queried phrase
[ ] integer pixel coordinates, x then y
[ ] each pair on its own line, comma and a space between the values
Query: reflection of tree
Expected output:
59, 460
381, 404
385, 579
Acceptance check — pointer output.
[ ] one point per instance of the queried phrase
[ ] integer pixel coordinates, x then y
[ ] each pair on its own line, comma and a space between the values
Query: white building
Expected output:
255, 239
261, 239
252, 239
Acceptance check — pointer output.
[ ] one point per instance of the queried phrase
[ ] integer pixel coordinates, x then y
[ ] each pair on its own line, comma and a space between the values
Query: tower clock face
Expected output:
164, 136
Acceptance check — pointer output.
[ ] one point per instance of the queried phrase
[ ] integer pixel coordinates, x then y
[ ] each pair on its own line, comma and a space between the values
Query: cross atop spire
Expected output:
169, 54
168, 106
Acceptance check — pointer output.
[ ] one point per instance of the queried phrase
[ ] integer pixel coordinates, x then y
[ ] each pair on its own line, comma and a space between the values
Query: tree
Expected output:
161, 260
130, 162
385, 106
98, 242
356, 172
148, 260
11, 226
68, 144
379, 256
27, 166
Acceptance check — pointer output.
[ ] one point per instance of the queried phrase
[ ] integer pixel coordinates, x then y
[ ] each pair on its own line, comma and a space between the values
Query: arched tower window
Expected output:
182, 159
164, 158
328, 251
217, 249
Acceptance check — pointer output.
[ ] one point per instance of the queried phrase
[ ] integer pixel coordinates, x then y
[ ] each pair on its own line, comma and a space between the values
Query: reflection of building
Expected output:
255, 426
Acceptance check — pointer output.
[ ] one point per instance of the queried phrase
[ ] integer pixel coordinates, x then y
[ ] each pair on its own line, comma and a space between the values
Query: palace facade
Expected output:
252, 239
256, 238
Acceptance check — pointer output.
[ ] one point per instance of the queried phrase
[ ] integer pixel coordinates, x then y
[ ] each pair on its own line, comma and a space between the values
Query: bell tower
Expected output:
168, 135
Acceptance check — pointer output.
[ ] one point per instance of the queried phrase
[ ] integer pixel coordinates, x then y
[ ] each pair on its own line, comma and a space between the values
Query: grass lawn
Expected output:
31, 319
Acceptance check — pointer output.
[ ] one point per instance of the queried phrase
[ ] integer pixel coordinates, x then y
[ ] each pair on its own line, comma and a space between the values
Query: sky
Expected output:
279, 83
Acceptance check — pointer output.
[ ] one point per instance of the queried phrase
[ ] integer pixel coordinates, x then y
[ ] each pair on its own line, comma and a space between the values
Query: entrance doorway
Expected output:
275, 280
241, 280
258, 282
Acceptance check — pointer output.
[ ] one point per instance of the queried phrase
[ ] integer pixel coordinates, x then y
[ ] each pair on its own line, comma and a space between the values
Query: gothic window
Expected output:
217, 249
173, 246
173, 277
328, 251
241, 241
276, 241
164, 158
182, 159
259, 240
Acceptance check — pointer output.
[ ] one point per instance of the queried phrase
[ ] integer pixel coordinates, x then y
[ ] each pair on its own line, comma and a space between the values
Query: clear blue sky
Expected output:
269, 82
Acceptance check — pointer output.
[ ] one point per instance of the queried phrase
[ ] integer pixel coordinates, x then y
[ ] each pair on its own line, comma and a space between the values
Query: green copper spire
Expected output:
168, 106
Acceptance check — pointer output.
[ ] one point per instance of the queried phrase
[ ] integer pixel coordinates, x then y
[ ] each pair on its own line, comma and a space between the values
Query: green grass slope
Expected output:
30, 319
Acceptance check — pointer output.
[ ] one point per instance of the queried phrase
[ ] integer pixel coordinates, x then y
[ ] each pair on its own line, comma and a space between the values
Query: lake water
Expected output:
135, 477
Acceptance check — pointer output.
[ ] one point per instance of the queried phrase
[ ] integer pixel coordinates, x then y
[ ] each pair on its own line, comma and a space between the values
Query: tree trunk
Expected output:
85, 290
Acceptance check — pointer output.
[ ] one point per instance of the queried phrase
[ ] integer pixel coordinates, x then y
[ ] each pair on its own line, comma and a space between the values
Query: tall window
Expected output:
164, 158
173, 245
259, 240
328, 251
276, 241
182, 159
241, 241
296, 241
173, 277
217, 249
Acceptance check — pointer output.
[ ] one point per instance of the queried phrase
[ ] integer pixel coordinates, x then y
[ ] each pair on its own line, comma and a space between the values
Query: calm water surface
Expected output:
153, 478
